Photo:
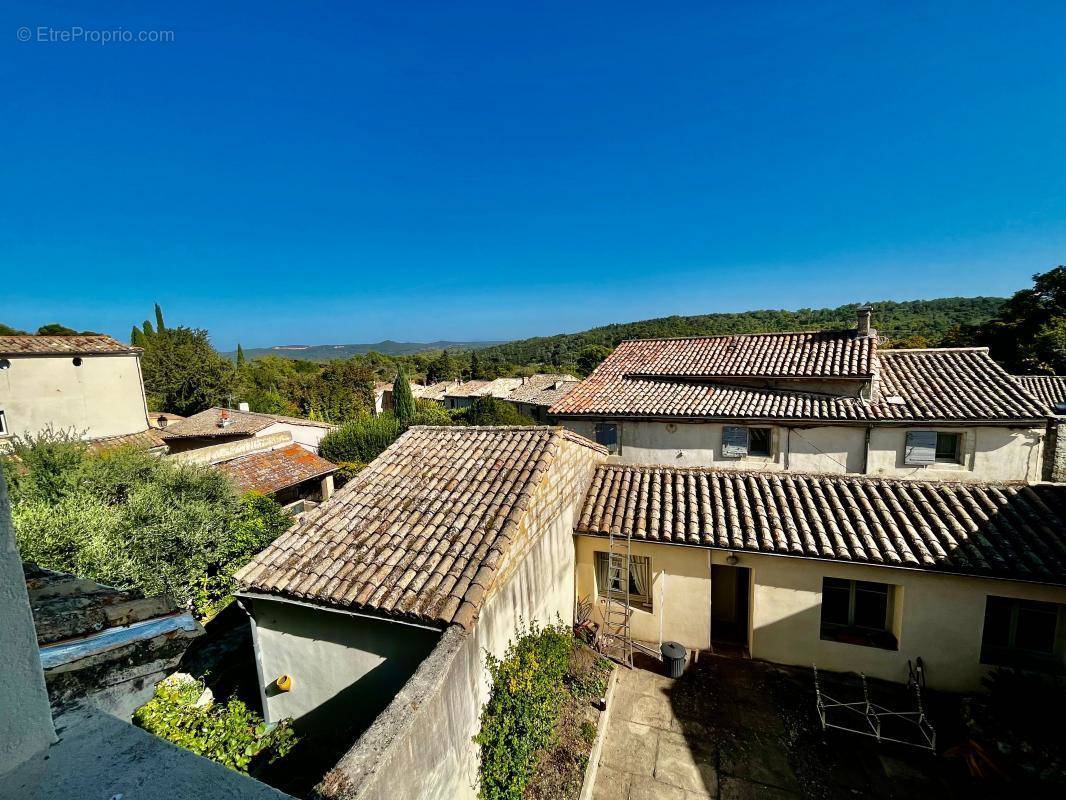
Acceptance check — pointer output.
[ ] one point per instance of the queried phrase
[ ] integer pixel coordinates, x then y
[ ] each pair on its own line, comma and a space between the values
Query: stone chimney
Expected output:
865, 313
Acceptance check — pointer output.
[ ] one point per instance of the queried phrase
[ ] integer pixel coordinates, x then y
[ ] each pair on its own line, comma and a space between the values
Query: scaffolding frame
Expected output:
866, 718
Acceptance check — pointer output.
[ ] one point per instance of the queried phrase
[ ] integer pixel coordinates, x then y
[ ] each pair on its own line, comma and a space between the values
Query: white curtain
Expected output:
640, 575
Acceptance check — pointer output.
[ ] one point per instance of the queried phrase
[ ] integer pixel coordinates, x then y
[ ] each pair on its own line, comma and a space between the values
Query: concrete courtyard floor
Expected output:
736, 729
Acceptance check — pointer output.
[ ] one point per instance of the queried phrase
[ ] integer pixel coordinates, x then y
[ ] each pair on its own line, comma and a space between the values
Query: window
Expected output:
758, 441
947, 447
607, 435
1020, 633
739, 442
3, 423
639, 579
857, 612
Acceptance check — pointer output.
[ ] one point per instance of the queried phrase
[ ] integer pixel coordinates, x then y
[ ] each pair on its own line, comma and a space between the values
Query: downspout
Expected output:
866, 452
788, 447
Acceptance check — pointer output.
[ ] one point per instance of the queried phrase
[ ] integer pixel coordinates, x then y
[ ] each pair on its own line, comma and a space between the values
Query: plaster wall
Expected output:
989, 453
309, 436
937, 617
102, 397
343, 668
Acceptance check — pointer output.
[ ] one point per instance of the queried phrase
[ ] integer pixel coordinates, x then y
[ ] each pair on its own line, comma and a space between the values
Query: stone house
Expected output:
538, 393
89, 385
398, 585
851, 573
273, 465
818, 402
220, 425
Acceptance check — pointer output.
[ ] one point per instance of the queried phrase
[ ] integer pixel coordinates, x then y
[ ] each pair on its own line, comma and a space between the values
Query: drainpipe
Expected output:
788, 447
866, 452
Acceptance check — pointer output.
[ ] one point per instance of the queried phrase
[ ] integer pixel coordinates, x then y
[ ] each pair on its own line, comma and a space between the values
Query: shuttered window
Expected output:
920, 449
607, 435
734, 441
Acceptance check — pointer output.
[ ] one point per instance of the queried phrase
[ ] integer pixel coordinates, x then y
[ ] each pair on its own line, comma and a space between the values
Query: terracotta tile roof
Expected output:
242, 423
63, 345
269, 471
1015, 531
434, 391
1050, 390
544, 389
811, 354
144, 440
421, 532
467, 389
962, 384
950, 384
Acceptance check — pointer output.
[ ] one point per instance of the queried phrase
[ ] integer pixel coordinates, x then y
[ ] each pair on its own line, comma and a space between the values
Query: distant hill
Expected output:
329, 352
930, 319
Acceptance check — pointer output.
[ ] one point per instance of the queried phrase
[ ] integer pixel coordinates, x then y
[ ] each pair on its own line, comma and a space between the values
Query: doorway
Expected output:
729, 608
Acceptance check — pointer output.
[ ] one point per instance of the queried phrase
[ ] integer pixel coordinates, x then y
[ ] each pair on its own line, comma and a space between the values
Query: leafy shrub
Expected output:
523, 708
229, 733
493, 411
427, 412
362, 439
127, 518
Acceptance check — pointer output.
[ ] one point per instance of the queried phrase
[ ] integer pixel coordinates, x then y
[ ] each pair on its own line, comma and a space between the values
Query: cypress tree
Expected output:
240, 354
136, 337
403, 402
147, 328
159, 326
475, 365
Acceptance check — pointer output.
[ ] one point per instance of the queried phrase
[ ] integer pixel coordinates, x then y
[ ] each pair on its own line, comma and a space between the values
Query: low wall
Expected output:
232, 449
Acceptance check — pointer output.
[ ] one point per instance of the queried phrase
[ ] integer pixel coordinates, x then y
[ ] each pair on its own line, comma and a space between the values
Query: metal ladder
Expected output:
617, 641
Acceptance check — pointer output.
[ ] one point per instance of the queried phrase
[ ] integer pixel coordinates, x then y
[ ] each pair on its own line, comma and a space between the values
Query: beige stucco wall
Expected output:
989, 453
937, 617
102, 397
310, 436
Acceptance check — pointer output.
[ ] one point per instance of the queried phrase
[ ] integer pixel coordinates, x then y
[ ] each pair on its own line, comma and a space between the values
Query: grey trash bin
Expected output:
673, 658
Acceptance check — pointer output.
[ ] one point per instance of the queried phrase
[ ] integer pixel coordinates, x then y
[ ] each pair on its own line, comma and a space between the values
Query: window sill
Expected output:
881, 640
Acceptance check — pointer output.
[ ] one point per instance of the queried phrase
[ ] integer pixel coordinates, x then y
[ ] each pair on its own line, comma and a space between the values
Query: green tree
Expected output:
7, 330
159, 326
147, 330
361, 440
137, 337
240, 355
477, 371
443, 368
55, 329
183, 373
1029, 334
590, 357
492, 411
402, 399
128, 518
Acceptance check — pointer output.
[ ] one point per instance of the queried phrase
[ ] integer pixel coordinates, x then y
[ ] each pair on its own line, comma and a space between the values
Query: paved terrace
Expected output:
736, 729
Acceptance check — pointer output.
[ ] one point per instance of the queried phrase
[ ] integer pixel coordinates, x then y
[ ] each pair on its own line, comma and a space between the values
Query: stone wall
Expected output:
1054, 467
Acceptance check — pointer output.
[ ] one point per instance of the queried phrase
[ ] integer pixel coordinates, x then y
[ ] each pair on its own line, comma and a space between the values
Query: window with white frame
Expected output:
3, 423
610, 581
857, 612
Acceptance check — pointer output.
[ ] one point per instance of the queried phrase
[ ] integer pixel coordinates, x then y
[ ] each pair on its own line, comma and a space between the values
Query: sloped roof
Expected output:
242, 423
468, 389
810, 354
544, 389
1050, 390
269, 471
951, 384
434, 391
1002, 530
948, 384
63, 345
147, 439
421, 532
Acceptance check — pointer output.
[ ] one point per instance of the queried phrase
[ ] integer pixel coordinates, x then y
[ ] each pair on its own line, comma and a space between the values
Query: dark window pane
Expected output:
759, 441
947, 447
1035, 629
997, 622
836, 600
871, 605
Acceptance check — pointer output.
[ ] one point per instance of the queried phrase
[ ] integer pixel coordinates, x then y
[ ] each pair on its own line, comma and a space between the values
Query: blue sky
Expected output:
320, 172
